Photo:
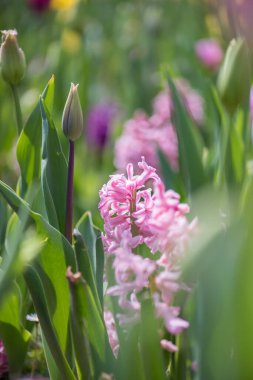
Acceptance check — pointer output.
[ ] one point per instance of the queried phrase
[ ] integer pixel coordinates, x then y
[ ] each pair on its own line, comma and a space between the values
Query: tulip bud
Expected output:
234, 77
12, 58
72, 119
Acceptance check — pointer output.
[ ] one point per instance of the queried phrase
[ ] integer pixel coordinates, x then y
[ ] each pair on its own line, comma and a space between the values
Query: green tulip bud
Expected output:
12, 58
235, 77
72, 119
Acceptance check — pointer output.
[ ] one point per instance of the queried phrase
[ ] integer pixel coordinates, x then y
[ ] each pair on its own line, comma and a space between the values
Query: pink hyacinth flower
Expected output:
209, 53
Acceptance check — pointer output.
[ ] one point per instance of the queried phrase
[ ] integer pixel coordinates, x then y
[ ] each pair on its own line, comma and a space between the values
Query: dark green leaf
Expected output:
54, 171
48, 330
190, 149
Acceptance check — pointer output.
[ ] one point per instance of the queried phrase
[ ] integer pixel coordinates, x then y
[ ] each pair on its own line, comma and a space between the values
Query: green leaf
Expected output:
54, 171
171, 179
190, 147
86, 229
151, 351
88, 315
21, 248
100, 260
84, 264
40, 300
52, 265
3, 222
81, 343
130, 364
14, 336
29, 143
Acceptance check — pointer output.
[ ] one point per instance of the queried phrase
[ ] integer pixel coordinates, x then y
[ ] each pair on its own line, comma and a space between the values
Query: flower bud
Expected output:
12, 58
234, 77
72, 119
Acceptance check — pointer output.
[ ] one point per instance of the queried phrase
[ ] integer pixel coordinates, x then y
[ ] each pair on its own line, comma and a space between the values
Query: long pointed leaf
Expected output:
54, 171
189, 146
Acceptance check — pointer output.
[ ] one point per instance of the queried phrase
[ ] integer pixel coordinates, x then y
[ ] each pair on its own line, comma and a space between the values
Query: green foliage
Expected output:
190, 146
41, 271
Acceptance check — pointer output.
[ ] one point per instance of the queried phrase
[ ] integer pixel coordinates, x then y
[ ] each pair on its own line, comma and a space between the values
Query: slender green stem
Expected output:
69, 198
17, 108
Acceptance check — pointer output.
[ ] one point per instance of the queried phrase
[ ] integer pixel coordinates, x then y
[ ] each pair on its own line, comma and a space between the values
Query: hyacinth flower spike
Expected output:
137, 210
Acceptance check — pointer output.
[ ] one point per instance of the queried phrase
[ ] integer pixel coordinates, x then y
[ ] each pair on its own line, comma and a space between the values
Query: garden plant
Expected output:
125, 228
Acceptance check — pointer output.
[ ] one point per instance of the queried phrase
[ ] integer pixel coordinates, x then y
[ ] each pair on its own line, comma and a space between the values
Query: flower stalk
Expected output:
69, 198
18, 112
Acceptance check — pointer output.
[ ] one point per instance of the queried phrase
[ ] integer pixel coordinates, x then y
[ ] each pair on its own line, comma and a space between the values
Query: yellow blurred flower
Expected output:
62, 4
71, 41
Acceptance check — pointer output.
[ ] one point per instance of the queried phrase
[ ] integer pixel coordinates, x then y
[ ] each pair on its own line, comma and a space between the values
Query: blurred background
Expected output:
115, 51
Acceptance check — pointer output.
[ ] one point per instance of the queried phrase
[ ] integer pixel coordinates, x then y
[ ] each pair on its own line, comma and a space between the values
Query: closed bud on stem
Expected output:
72, 119
235, 77
12, 58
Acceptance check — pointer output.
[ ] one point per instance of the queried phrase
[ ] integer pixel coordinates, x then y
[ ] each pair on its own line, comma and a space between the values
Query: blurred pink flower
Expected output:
143, 135
3, 360
209, 53
191, 99
131, 274
111, 331
168, 345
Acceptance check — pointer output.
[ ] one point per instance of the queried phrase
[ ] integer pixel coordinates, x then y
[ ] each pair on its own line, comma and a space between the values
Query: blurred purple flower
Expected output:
3, 360
39, 5
251, 102
99, 124
209, 53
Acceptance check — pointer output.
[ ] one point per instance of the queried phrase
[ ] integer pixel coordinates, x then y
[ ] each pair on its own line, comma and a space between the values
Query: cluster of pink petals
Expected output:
111, 330
209, 53
137, 210
3, 361
143, 135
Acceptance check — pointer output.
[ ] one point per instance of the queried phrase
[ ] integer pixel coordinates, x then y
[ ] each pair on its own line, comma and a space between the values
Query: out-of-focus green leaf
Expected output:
237, 148
130, 364
221, 314
40, 300
29, 143
21, 248
14, 336
3, 222
171, 179
52, 265
54, 171
151, 351
190, 154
